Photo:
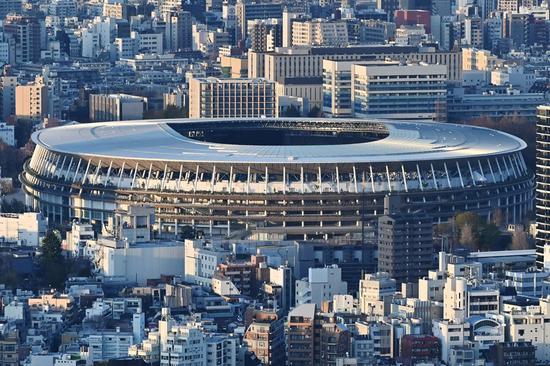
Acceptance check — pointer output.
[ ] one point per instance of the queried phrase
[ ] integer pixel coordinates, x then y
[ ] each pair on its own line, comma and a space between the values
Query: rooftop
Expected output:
353, 142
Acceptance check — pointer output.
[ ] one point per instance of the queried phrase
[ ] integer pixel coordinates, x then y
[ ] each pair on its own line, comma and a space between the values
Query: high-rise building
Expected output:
219, 98
245, 11
300, 336
8, 85
389, 6
31, 100
265, 35
337, 88
116, 107
25, 30
543, 188
265, 336
393, 90
511, 6
321, 285
375, 293
320, 33
405, 244
178, 34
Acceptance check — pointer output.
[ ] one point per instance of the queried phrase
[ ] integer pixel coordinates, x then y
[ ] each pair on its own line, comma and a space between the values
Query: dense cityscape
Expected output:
274, 182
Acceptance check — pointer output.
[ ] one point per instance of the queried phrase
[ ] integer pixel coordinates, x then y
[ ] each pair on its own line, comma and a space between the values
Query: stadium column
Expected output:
120, 174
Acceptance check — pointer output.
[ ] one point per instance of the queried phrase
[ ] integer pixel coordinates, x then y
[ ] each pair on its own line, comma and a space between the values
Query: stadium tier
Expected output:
293, 178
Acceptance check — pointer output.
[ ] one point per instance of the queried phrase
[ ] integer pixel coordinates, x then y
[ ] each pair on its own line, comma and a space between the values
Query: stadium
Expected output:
275, 178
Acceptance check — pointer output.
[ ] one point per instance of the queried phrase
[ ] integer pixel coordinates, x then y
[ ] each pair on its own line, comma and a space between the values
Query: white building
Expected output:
24, 229
375, 293
77, 239
320, 32
321, 285
464, 300
201, 260
7, 134
185, 346
108, 345
451, 335
15, 310
531, 324
405, 91
139, 261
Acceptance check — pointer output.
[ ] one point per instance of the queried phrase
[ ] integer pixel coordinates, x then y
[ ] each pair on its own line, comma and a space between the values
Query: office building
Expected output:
116, 107
308, 61
227, 98
403, 91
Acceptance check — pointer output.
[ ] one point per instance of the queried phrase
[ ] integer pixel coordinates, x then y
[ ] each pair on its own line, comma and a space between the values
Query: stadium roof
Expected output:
157, 140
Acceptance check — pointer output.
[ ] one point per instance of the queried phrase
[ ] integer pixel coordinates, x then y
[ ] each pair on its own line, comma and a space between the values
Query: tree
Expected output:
519, 240
13, 206
52, 262
498, 217
291, 111
315, 112
187, 232
467, 236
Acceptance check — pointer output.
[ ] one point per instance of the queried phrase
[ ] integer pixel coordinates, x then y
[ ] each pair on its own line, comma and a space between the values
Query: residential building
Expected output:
300, 336
265, 337
337, 88
10, 7
321, 285
513, 353
531, 324
31, 100
7, 134
8, 85
405, 245
202, 260
375, 294
107, 345
25, 31
452, 335
319, 33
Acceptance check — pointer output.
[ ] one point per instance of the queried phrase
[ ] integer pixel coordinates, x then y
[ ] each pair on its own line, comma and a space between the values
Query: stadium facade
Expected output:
273, 177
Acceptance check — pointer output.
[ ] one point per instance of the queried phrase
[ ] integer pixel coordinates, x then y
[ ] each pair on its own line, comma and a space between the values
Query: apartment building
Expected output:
31, 100
320, 32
